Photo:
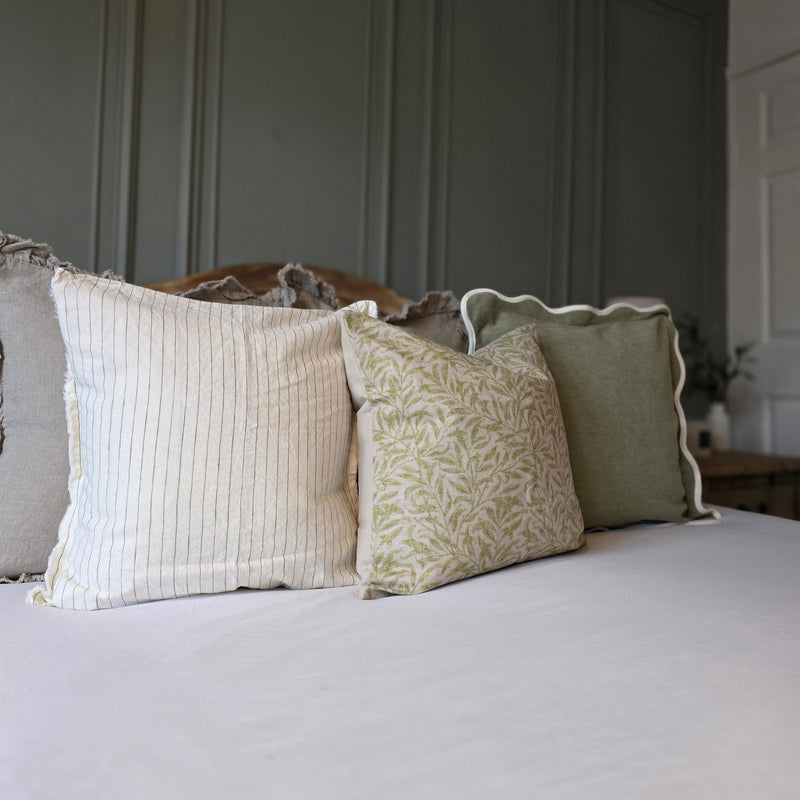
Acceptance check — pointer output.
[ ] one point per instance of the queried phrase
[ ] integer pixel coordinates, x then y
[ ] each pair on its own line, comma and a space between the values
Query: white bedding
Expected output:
653, 663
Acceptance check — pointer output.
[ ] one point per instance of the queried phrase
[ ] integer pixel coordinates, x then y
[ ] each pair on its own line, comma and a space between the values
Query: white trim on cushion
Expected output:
600, 312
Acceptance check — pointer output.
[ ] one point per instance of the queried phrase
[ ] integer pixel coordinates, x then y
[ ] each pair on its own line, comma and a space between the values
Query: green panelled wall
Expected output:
570, 148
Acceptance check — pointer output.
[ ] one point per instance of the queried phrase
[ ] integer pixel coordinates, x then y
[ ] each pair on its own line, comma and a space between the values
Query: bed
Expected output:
629, 661
661, 662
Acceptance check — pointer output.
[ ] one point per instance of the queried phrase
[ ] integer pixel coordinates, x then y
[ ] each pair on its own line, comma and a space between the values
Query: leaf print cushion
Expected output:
463, 461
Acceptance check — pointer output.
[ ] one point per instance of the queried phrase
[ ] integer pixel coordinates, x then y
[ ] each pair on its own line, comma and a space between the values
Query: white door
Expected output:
764, 253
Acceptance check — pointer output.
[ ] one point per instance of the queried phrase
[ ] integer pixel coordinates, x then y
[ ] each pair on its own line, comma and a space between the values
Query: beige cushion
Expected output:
209, 448
463, 462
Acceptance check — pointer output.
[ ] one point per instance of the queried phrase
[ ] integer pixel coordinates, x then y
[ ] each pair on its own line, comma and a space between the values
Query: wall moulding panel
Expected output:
438, 121
784, 423
196, 245
508, 139
378, 91
568, 149
782, 196
781, 113
563, 142
663, 139
113, 223
53, 56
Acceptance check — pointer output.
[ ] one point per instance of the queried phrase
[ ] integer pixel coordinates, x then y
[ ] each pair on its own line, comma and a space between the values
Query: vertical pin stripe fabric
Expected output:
209, 448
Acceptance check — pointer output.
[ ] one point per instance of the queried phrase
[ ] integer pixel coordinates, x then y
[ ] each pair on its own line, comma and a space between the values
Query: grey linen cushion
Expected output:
437, 317
34, 463
298, 288
302, 289
230, 291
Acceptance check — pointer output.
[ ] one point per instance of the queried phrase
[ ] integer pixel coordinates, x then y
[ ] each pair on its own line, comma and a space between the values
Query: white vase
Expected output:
720, 425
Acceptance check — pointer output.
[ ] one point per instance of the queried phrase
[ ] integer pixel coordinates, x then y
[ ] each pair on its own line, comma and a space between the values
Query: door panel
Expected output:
764, 270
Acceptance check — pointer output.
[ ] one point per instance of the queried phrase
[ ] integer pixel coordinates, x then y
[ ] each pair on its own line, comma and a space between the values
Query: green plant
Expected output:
706, 372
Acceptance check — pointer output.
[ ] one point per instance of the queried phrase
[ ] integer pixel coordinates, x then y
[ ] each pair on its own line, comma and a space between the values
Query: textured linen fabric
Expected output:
34, 463
655, 664
298, 288
619, 375
463, 462
209, 448
231, 291
436, 317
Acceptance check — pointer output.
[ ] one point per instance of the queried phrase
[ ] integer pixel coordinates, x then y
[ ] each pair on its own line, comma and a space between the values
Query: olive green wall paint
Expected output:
49, 79
570, 148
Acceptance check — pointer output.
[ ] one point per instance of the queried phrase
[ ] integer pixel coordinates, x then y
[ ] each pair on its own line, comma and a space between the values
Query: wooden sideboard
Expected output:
767, 484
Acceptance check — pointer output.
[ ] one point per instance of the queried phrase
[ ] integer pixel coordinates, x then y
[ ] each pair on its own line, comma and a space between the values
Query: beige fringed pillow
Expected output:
463, 462
209, 448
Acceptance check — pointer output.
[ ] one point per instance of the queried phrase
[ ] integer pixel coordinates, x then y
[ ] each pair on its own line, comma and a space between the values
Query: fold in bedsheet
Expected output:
654, 663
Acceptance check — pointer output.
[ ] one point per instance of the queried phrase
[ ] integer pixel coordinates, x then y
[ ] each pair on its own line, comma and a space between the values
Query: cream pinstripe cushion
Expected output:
209, 448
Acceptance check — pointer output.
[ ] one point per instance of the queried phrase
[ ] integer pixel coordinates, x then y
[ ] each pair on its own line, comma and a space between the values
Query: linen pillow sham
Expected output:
619, 375
209, 448
463, 462
33, 432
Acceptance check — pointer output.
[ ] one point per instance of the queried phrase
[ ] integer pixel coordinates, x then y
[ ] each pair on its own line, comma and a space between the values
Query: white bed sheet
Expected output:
653, 663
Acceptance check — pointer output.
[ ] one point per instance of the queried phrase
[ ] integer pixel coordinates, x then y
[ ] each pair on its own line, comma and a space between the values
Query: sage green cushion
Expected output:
619, 374
463, 461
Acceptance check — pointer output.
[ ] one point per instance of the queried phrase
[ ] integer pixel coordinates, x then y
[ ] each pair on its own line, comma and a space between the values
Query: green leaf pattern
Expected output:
471, 469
